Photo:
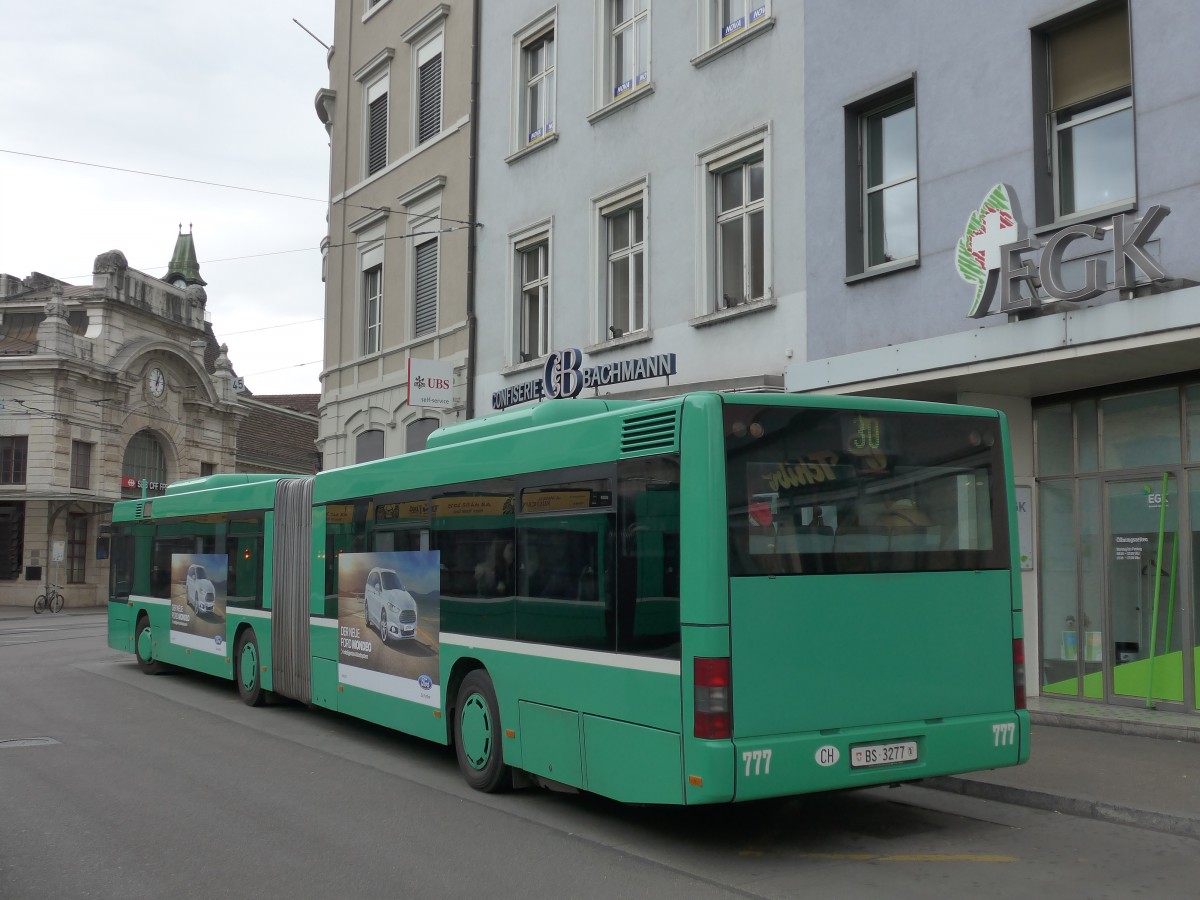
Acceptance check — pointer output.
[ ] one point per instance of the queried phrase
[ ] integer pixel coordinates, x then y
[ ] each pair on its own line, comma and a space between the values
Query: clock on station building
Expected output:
156, 382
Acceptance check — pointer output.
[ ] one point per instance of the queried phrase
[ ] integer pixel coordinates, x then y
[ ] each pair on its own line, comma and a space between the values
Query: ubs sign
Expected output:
995, 252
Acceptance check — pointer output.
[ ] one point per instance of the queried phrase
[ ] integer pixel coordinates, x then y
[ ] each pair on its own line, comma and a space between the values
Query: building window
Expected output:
625, 231
741, 213
533, 267
207, 468
81, 465
429, 89
1086, 97
425, 287
889, 150
736, 250
368, 446
881, 180
537, 71
627, 61
14, 451
144, 461
372, 293
12, 540
377, 124
725, 21
76, 547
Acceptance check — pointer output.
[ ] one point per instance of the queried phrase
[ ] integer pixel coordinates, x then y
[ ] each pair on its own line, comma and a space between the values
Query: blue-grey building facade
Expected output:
1084, 114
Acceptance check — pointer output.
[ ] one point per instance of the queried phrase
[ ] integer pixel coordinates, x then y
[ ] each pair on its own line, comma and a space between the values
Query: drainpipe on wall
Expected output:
473, 177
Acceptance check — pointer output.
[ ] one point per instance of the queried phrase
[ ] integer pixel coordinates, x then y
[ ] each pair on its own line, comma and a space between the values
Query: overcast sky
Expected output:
218, 91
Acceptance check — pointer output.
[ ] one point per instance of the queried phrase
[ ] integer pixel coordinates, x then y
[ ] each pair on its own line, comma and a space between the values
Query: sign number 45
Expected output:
759, 759
1003, 735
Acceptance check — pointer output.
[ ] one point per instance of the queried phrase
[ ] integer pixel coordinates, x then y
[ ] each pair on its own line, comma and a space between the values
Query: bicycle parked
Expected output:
52, 600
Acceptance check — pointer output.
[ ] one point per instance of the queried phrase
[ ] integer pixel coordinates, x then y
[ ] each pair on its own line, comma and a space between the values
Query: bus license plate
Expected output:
883, 754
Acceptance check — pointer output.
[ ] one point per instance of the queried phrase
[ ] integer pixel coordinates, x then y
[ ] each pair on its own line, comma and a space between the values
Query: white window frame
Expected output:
522, 138
370, 7
374, 79
866, 190
1059, 130
369, 333
716, 36
711, 163
520, 243
427, 39
620, 201
606, 45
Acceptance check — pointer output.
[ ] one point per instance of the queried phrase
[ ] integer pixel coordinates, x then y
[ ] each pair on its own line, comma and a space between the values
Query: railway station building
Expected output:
112, 390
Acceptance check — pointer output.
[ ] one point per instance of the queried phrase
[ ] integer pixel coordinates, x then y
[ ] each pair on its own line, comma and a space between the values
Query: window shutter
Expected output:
426, 288
429, 102
1090, 59
377, 134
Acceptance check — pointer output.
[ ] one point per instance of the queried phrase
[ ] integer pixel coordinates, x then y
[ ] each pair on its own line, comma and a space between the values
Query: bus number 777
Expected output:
759, 759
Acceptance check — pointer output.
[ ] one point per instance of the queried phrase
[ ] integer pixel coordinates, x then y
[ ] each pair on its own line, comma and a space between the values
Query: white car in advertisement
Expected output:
390, 609
200, 593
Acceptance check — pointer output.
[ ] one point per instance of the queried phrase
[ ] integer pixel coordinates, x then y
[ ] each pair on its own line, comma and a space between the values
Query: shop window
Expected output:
12, 540
1141, 429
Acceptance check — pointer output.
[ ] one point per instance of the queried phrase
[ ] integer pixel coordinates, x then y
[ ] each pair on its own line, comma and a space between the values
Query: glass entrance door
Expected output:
1143, 653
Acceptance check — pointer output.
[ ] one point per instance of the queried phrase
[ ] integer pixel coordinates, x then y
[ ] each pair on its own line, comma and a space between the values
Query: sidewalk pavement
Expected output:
1116, 764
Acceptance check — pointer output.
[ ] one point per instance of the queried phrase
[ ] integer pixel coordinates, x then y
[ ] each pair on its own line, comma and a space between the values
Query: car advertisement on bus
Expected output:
389, 623
198, 596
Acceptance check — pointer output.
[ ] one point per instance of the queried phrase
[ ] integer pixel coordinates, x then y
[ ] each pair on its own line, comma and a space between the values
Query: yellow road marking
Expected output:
914, 857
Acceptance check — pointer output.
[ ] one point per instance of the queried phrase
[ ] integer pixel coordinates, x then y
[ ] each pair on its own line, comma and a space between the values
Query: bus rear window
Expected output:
828, 491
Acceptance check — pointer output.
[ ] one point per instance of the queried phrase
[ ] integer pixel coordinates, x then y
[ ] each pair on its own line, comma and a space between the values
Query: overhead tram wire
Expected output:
32, 389
209, 262
200, 181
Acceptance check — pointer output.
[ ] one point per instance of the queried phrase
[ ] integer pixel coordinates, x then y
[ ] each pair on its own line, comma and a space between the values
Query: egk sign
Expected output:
994, 251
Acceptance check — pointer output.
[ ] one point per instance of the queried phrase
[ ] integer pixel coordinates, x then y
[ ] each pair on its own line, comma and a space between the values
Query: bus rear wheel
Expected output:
143, 647
477, 735
247, 669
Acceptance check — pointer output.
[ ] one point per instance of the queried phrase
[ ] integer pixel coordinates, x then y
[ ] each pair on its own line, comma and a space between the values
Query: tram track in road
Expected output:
49, 633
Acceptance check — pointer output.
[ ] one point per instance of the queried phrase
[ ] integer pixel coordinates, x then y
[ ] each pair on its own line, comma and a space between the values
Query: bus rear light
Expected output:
1019, 672
713, 707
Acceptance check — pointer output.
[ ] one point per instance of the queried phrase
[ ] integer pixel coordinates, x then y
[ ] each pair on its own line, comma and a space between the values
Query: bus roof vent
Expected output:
139, 511
651, 432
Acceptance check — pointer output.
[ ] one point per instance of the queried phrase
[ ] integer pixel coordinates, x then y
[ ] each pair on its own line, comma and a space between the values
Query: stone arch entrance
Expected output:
145, 460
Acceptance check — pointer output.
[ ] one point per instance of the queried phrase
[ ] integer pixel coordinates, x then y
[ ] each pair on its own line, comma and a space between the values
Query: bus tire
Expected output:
247, 669
143, 647
477, 735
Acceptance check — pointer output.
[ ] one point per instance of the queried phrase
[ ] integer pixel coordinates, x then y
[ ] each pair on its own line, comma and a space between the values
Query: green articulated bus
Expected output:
702, 599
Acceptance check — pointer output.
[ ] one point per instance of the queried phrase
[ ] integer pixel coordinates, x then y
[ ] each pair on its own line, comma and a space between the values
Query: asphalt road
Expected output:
169, 787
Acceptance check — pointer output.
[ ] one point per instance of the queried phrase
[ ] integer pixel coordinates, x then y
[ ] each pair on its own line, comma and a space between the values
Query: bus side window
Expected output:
648, 557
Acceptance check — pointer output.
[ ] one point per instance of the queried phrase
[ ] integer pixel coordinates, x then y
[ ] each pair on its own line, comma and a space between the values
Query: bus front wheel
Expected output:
477, 735
248, 669
143, 647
